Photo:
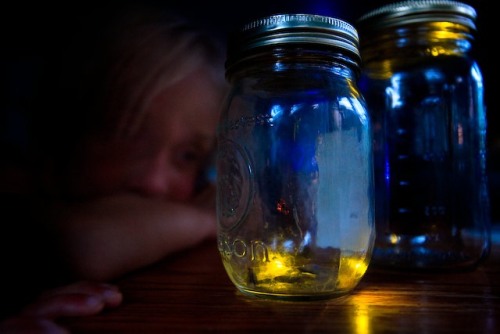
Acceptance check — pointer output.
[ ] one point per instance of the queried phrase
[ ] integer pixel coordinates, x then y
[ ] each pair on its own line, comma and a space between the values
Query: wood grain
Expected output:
191, 293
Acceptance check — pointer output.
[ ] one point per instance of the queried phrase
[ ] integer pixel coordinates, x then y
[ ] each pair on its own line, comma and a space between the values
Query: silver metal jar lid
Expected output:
288, 29
418, 11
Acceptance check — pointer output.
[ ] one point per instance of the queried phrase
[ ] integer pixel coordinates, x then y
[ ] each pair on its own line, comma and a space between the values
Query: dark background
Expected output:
33, 37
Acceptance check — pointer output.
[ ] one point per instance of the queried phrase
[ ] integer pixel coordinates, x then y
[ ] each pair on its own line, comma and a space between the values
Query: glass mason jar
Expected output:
294, 163
424, 92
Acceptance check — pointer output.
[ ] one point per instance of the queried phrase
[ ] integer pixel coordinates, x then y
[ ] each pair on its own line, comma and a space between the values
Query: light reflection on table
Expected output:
192, 293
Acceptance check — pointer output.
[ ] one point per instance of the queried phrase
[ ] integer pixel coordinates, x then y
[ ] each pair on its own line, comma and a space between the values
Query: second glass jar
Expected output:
425, 93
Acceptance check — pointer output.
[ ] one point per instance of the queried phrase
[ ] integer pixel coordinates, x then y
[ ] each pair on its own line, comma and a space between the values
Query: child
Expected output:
123, 150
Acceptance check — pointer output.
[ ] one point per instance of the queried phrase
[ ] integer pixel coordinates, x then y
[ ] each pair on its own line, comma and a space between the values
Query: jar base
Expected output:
423, 259
293, 297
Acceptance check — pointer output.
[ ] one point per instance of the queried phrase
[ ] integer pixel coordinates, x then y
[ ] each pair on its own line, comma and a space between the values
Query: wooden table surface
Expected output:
191, 293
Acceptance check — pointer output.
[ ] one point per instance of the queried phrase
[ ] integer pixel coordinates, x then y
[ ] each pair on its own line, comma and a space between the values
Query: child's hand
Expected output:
78, 299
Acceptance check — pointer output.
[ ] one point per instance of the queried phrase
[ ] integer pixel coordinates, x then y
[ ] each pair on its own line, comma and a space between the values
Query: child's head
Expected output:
149, 125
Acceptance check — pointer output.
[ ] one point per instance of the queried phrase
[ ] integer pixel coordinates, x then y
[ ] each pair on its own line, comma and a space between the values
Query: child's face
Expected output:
173, 143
